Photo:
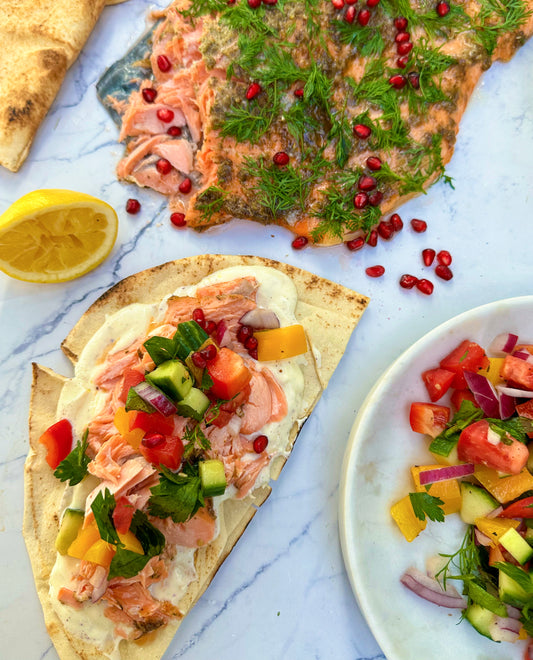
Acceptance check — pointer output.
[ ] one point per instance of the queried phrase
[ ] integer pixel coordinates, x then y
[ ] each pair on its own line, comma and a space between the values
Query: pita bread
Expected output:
329, 313
40, 41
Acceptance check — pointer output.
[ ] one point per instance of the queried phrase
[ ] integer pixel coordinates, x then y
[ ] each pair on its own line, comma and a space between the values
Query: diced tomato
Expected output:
437, 382
520, 509
458, 396
168, 452
428, 418
132, 377
123, 514
229, 374
479, 445
468, 356
152, 422
58, 441
525, 409
518, 372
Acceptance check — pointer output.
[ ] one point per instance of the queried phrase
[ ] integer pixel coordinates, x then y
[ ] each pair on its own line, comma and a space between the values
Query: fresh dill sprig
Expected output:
194, 439
243, 19
210, 201
366, 40
498, 17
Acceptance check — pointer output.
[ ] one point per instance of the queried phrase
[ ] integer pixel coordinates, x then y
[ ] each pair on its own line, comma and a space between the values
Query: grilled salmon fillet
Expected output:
318, 116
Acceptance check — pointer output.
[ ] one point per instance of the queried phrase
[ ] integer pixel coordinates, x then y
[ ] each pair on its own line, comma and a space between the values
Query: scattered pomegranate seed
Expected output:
163, 63
355, 244
362, 131
443, 272
373, 163
349, 16
253, 353
231, 2
400, 23
163, 166
210, 327
185, 186
414, 79
401, 62
151, 440
396, 222
299, 92
244, 332
372, 238
253, 90
338, 4
360, 200
351, 2
372, 3
444, 257
385, 229
270, 2
198, 360
260, 443
165, 114
178, 219
425, 286
442, 8
174, 131
367, 183
419, 226
402, 37
254, 4
408, 281
209, 353
404, 48
198, 315
300, 242
398, 81
363, 17
133, 206
428, 256
149, 94
375, 271
281, 158
251, 343
375, 198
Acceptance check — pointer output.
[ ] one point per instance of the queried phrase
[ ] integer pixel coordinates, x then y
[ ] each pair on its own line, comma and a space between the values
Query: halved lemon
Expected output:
55, 235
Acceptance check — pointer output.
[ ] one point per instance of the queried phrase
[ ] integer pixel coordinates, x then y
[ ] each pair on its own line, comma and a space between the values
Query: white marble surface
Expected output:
283, 592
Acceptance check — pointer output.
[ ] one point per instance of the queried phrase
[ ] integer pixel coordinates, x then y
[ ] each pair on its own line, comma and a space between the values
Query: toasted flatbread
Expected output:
328, 312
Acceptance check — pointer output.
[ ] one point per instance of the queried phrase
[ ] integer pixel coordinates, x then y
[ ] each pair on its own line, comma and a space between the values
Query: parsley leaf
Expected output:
73, 468
178, 496
103, 506
427, 505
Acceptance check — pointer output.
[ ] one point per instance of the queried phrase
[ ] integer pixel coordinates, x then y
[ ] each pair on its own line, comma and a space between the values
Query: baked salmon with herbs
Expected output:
321, 116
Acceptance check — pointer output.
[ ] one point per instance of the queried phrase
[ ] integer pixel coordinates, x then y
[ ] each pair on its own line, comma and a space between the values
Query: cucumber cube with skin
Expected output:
476, 502
193, 405
70, 525
213, 477
173, 378
517, 546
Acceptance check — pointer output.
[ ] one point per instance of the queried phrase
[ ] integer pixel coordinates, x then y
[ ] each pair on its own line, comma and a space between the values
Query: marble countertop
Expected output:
283, 592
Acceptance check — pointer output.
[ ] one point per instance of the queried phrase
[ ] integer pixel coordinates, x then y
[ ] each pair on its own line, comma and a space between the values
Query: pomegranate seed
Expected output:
231, 2
367, 183
198, 360
363, 17
270, 2
401, 62
153, 440
398, 81
133, 206
254, 4
253, 353
185, 186
444, 258
443, 272
375, 198
396, 222
281, 159
163, 63
244, 332
419, 226
209, 353
425, 286
355, 244
299, 92
349, 16
402, 37
163, 166
373, 163
174, 131
351, 2
362, 131
210, 327
251, 343
372, 238
300, 242
385, 229
260, 443
338, 4
253, 91
360, 200
165, 114
198, 314
442, 8
372, 3
375, 271
428, 256
408, 281
404, 48
178, 219
414, 79
400, 23
149, 94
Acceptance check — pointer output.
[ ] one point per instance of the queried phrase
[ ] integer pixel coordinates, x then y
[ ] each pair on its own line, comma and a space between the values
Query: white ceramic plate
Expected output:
376, 474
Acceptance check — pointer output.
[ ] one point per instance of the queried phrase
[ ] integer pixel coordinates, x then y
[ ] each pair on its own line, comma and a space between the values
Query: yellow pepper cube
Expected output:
448, 491
87, 536
100, 553
281, 343
122, 422
131, 542
504, 488
495, 528
404, 516
492, 372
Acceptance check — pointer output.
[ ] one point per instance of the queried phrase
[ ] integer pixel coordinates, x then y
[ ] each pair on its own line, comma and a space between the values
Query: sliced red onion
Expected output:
445, 473
495, 512
430, 589
522, 355
260, 319
513, 612
503, 344
484, 393
481, 539
514, 392
504, 629
222, 334
507, 405
434, 565
156, 398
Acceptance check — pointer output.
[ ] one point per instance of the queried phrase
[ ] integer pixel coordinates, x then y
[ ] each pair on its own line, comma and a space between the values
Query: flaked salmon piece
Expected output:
197, 531
257, 411
248, 473
110, 458
240, 286
178, 152
67, 597
279, 400
143, 119
179, 309
91, 582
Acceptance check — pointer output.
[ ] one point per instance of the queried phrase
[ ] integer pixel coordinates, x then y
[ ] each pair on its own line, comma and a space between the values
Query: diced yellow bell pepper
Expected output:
131, 542
451, 459
85, 539
100, 553
404, 516
492, 372
122, 422
495, 528
504, 488
448, 491
281, 343
522, 633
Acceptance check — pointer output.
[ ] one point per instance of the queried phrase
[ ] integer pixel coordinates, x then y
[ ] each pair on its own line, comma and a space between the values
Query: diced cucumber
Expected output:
484, 599
516, 545
213, 477
529, 535
193, 405
480, 618
476, 502
443, 448
510, 591
189, 337
70, 526
173, 378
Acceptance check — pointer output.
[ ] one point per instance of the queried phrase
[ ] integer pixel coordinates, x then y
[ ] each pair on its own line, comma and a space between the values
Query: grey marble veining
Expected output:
283, 592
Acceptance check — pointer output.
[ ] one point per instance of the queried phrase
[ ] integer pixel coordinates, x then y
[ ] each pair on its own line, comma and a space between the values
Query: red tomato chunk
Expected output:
428, 418
58, 441
468, 356
437, 382
479, 445
518, 372
167, 452
229, 374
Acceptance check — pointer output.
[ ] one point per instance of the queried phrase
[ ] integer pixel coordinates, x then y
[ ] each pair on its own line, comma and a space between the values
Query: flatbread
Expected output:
329, 313
40, 41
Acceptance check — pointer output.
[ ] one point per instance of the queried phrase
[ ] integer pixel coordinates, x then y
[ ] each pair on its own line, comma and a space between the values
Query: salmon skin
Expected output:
272, 114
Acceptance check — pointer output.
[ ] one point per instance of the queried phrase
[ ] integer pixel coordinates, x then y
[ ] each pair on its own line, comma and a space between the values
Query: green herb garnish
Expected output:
73, 468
